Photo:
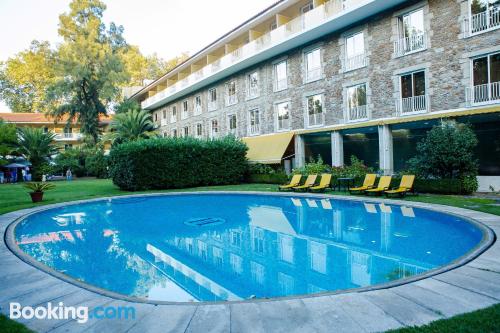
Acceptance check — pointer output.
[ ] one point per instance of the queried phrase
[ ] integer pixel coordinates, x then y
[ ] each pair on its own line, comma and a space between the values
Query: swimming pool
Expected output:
217, 247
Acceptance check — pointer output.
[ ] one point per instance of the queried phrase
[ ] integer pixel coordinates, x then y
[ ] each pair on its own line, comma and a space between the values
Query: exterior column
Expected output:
300, 158
385, 149
337, 149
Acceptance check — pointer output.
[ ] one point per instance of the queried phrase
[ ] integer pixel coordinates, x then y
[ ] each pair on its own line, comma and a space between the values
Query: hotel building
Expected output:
342, 77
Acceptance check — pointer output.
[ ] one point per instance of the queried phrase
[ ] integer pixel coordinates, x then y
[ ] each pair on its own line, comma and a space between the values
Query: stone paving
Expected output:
472, 286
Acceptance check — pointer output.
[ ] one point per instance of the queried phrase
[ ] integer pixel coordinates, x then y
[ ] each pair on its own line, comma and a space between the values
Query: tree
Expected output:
25, 77
37, 147
131, 126
8, 140
89, 67
127, 105
447, 151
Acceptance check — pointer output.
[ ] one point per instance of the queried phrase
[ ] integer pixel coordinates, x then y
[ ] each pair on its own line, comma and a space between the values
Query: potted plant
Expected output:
37, 190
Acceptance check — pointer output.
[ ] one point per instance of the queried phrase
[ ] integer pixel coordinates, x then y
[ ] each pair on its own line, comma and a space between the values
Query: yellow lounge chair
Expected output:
295, 181
325, 183
405, 186
368, 183
383, 185
311, 179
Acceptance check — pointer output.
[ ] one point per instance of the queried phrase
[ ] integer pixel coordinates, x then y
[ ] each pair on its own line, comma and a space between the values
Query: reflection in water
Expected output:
267, 246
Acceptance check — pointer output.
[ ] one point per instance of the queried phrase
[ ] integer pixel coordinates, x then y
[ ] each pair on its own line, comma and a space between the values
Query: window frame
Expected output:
257, 122
276, 110
307, 77
276, 81
212, 104
322, 99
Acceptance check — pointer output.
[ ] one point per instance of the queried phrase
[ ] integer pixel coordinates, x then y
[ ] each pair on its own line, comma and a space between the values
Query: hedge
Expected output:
166, 163
271, 178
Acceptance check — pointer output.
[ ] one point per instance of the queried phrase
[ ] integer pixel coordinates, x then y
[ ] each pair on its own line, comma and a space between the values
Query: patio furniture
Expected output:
295, 181
311, 179
368, 183
383, 185
405, 186
324, 183
344, 182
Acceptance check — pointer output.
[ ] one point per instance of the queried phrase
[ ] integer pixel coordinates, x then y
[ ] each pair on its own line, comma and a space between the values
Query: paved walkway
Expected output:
472, 286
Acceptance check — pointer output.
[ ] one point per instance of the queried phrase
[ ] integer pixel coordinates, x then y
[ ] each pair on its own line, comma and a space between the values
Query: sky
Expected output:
165, 27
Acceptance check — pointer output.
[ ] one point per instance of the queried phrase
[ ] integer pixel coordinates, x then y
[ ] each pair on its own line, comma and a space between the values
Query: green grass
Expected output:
482, 321
15, 196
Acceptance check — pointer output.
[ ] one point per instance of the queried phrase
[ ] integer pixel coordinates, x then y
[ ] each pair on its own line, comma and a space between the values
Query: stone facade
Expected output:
445, 60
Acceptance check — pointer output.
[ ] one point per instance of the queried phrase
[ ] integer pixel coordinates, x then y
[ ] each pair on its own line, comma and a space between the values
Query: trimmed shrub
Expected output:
438, 186
271, 178
97, 164
166, 163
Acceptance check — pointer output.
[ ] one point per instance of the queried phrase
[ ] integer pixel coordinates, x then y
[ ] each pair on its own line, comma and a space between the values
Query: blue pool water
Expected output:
213, 247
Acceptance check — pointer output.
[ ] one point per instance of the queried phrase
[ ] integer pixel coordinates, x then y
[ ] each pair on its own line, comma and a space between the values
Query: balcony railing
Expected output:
197, 109
355, 62
253, 92
231, 100
483, 94
415, 104
315, 119
410, 44
357, 113
481, 22
68, 136
300, 24
254, 129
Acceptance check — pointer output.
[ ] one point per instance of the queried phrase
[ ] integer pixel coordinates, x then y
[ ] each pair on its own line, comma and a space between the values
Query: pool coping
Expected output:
487, 223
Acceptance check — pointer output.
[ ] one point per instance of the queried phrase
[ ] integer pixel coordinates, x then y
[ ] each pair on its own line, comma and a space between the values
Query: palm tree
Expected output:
37, 147
131, 126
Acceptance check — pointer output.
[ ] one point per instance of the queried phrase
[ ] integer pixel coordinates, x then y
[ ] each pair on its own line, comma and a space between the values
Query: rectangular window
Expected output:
413, 94
173, 115
156, 116
355, 52
283, 116
356, 102
253, 85
184, 114
212, 99
231, 120
313, 65
186, 131
254, 122
231, 93
214, 128
280, 76
309, 6
411, 33
315, 110
197, 105
199, 130
486, 79
164, 114
173, 133
485, 15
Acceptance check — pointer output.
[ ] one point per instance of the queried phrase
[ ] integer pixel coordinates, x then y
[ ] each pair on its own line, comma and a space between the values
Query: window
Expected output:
485, 15
258, 240
231, 93
356, 102
214, 128
413, 97
236, 263
45, 130
184, 113
164, 114
355, 52
253, 85
313, 65
173, 115
186, 131
309, 6
212, 99
173, 133
285, 248
273, 26
411, 33
280, 76
156, 117
197, 105
254, 122
236, 238
231, 120
486, 78
199, 130
315, 110
283, 116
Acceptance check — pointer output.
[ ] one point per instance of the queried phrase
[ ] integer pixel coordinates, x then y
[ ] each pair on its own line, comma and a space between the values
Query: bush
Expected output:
165, 163
74, 159
260, 169
313, 167
439, 186
272, 178
97, 164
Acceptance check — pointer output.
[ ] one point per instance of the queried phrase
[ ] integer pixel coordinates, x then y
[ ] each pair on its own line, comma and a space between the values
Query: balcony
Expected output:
411, 105
483, 94
412, 44
356, 113
231, 100
68, 136
355, 62
322, 20
482, 22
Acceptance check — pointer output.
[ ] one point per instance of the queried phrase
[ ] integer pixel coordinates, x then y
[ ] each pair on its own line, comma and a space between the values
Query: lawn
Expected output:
15, 196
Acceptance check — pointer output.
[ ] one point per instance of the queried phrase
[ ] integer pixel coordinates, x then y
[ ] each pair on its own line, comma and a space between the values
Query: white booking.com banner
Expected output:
59, 311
